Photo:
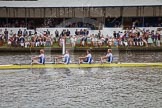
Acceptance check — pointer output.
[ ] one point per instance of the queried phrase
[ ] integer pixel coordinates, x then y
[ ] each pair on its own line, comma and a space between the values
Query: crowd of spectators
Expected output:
134, 37
26, 39
137, 37
82, 37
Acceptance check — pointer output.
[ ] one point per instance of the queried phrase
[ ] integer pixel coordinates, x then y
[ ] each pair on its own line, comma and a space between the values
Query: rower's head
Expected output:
42, 51
88, 51
109, 50
67, 51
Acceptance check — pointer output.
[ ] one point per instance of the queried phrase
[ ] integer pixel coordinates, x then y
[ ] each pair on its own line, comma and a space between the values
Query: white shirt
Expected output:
66, 55
72, 40
109, 55
41, 55
89, 56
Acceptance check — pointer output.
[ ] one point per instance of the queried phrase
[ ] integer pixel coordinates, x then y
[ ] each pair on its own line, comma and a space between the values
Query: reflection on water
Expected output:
81, 88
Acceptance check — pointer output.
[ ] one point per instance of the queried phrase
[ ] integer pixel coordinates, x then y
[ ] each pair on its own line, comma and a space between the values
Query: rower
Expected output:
86, 59
108, 57
41, 58
66, 57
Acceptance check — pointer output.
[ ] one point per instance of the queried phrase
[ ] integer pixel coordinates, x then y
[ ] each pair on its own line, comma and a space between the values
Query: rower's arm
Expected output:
59, 57
82, 57
104, 57
36, 57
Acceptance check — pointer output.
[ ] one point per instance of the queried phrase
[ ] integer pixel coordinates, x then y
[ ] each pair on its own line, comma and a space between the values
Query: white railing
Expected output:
105, 31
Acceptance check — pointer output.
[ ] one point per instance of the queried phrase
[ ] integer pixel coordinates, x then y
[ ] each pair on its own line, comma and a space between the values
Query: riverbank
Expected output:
78, 49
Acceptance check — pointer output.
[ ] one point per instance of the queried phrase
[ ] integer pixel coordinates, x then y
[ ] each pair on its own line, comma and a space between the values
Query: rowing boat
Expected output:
105, 65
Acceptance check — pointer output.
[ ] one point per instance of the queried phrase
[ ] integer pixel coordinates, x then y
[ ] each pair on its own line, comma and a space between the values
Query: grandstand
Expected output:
104, 15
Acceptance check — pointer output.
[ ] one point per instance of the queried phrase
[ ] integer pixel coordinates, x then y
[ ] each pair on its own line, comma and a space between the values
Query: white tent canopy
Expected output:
80, 3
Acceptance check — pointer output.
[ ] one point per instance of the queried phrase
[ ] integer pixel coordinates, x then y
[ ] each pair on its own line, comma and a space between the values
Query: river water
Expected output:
82, 88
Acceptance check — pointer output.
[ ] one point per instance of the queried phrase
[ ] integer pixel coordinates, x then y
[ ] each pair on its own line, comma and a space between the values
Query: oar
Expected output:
31, 65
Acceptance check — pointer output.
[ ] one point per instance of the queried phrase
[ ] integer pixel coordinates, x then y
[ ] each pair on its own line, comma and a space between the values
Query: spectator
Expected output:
81, 32
30, 33
1, 37
48, 32
6, 35
150, 41
9, 42
22, 41
115, 35
27, 44
94, 40
87, 32
99, 34
16, 40
134, 25
25, 33
158, 39
11, 33
48, 41
56, 33
37, 42
67, 33
118, 34
73, 40
19, 32
63, 33
1, 32
76, 32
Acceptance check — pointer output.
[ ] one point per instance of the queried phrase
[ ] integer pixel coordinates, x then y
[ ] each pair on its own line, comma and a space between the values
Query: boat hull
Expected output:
105, 65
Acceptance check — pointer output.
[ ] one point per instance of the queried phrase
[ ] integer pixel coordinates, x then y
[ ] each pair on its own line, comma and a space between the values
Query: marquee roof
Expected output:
80, 3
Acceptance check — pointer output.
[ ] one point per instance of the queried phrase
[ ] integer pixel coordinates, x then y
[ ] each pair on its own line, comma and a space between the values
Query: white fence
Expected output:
105, 31
52, 30
14, 30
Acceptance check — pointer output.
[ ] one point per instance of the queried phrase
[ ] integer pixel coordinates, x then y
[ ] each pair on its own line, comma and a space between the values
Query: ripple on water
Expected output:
84, 88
